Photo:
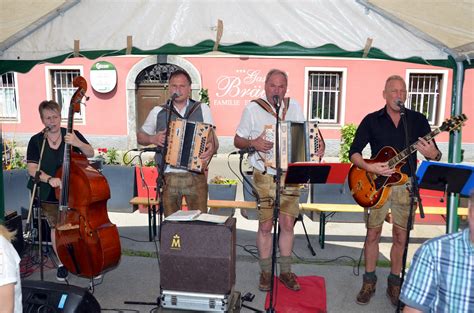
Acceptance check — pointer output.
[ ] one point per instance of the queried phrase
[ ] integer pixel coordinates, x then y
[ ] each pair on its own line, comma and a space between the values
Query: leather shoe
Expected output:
289, 280
393, 291
265, 281
367, 291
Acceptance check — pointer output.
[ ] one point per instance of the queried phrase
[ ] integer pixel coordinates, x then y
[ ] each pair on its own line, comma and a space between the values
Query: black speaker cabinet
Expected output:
198, 256
13, 222
44, 296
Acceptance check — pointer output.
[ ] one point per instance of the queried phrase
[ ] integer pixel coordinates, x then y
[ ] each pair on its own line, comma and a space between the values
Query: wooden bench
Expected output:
213, 204
329, 209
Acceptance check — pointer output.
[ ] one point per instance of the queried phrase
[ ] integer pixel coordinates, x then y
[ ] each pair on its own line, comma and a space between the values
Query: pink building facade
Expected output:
333, 91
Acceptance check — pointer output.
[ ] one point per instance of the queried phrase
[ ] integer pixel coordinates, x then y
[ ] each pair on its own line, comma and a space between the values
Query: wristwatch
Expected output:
49, 178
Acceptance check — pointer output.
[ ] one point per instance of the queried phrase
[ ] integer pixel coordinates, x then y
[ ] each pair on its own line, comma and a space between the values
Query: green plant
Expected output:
220, 180
204, 95
109, 156
12, 158
18, 161
347, 136
150, 163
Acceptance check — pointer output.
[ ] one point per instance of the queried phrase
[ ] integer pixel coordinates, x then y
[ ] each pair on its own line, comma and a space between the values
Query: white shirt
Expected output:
252, 123
10, 270
149, 126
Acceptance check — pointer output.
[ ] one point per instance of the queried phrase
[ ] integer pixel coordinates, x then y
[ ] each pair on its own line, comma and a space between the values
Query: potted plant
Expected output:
221, 188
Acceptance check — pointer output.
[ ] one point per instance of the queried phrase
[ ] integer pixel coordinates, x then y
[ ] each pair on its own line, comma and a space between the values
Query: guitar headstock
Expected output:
453, 123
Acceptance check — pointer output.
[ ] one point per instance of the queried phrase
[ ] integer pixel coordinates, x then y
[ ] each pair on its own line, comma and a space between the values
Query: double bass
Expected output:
87, 241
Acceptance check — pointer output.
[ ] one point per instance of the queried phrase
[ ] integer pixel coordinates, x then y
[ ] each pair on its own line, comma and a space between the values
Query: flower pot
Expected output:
121, 180
222, 192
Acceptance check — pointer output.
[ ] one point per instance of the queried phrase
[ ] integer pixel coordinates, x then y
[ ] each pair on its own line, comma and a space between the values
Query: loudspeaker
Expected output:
198, 256
43, 296
13, 222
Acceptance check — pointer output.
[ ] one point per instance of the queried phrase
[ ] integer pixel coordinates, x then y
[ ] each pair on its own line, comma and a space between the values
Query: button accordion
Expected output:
186, 142
299, 142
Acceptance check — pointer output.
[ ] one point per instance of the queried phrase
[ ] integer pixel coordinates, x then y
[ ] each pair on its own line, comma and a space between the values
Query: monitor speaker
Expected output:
44, 296
13, 223
198, 256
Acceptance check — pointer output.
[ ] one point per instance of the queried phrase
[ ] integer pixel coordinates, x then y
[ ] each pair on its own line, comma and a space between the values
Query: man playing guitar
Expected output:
380, 129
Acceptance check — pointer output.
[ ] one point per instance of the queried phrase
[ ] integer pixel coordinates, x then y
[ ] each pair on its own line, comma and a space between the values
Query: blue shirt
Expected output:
441, 277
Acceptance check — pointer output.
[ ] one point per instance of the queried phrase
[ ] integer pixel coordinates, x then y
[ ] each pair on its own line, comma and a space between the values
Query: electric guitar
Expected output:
371, 190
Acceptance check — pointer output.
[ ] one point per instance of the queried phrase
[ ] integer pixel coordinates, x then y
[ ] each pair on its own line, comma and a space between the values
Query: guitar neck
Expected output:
411, 149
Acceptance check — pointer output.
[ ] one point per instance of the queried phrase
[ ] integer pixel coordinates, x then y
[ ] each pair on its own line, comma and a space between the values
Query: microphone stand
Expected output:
161, 164
276, 204
36, 199
414, 196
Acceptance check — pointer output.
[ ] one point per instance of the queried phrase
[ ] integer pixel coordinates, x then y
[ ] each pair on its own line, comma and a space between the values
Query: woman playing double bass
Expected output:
52, 160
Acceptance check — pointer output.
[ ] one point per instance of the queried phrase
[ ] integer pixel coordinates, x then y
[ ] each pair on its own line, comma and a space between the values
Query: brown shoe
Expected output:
289, 280
265, 281
367, 291
393, 291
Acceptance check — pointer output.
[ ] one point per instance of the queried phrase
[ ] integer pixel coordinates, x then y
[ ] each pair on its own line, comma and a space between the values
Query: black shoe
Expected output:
62, 273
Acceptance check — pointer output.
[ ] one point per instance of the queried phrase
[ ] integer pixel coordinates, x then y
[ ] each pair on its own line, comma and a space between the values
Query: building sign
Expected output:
103, 76
239, 87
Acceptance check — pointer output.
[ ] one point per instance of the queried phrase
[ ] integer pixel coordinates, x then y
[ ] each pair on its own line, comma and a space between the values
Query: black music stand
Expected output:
447, 177
307, 173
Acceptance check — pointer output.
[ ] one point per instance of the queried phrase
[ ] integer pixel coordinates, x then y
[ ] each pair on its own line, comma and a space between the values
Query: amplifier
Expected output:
198, 257
299, 142
13, 223
186, 142
43, 296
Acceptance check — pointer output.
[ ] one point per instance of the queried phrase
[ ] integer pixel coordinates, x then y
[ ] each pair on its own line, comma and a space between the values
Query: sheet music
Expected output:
181, 215
196, 215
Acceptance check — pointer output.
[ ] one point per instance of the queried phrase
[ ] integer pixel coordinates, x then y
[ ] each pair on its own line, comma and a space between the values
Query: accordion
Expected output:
186, 142
299, 142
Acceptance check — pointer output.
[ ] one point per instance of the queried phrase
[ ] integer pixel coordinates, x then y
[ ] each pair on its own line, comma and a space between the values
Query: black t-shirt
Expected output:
378, 130
50, 163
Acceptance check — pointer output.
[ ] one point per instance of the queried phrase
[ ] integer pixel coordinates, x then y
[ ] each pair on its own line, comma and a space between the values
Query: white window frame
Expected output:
439, 111
78, 119
342, 94
16, 119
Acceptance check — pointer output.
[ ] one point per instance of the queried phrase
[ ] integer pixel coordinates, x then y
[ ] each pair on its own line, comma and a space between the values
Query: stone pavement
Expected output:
136, 279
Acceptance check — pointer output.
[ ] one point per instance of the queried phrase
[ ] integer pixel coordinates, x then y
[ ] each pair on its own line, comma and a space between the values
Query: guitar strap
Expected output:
269, 108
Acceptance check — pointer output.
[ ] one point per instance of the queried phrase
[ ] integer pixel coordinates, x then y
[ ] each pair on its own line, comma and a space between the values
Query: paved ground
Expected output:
136, 279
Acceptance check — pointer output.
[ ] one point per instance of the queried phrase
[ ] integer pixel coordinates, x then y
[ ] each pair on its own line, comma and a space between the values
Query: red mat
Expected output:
310, 299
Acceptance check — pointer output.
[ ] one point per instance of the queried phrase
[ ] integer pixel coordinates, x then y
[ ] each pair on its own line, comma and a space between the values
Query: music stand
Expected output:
315, 173
447, 177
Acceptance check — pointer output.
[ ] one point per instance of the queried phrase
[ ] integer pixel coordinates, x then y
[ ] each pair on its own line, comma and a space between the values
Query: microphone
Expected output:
175, 95
146, 149
399, 103
249, 150
46, 129
276, 100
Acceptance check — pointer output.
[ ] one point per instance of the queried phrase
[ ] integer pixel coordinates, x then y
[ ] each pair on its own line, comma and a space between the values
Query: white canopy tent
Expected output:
93, 28
431, 32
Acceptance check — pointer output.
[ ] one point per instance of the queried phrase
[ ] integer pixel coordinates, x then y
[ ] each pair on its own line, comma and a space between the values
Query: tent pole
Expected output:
2, 193
455, 155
